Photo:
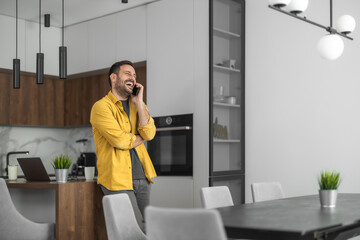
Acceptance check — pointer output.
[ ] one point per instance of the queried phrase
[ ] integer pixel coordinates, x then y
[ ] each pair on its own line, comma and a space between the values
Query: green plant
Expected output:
61, 162
329, 180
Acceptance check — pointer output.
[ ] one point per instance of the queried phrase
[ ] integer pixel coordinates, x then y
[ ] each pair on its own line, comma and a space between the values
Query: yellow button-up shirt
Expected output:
114, 134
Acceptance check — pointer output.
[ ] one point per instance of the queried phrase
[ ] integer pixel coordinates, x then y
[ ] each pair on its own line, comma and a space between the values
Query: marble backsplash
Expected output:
45, 143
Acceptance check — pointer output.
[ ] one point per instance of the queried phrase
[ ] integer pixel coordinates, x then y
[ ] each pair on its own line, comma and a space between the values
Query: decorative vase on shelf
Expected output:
61, 165
328, 184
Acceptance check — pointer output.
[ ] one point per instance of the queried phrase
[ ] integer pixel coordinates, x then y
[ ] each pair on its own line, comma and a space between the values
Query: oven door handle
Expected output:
173, 128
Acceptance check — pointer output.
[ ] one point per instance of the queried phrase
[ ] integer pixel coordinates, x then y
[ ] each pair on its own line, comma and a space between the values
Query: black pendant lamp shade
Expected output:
39, 56
39, 68
16, 73
62, 52
16, 61
63, 62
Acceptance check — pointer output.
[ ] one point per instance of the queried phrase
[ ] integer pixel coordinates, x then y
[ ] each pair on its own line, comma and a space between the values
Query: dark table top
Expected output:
290, 218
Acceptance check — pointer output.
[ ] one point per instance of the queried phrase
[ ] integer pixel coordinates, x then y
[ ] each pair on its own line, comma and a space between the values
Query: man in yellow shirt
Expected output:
121, 123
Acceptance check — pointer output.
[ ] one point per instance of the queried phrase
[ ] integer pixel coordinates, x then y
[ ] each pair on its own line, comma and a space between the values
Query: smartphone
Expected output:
135, 90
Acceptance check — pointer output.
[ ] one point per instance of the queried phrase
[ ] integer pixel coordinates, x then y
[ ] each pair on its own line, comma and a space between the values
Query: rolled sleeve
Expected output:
148, 131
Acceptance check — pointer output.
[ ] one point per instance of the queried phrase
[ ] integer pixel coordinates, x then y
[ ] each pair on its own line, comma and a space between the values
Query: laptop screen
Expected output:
33, 169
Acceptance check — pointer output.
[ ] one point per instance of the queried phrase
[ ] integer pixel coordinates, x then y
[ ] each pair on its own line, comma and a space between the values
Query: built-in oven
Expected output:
171, 150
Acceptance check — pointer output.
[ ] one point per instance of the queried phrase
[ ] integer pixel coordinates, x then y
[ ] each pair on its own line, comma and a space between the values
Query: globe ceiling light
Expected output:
345, 24
330, 46
279, 3
297, 6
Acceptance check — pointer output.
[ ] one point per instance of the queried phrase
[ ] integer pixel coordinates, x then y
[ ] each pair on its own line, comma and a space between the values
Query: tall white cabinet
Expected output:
227, 96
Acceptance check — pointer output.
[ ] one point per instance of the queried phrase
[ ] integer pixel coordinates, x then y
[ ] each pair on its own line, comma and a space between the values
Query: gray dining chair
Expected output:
214, 197
14, 226
265, 191
183, 224
120, 219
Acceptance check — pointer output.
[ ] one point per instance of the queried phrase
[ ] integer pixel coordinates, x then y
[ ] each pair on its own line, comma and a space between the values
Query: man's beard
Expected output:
122, 90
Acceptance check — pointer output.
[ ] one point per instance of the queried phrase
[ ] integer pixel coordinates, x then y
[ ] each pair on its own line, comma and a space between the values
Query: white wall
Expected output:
302, 112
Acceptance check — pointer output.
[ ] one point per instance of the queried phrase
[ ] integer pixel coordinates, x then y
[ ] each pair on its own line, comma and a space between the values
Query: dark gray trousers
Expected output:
139, 198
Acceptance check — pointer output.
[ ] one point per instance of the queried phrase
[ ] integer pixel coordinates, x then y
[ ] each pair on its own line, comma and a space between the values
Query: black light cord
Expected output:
16, 28
62, 22
39, 26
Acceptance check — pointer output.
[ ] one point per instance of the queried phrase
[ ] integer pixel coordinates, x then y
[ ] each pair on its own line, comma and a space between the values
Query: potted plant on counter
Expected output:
61, 164
328, 185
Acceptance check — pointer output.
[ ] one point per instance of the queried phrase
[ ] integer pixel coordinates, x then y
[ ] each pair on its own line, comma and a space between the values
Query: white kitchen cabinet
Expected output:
50, 42
76, 41
131, 34
170, 57
102, 42
8, 42
98, 43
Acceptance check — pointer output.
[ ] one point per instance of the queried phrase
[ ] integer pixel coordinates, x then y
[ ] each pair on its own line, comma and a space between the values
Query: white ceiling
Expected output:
75, 10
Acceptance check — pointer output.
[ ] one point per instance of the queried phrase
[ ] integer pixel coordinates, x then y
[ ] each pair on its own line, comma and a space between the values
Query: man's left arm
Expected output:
147, 127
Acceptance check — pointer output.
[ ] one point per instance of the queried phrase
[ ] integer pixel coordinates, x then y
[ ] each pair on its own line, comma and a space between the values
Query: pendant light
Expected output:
16, 61
330, 46
62, 52
39, 56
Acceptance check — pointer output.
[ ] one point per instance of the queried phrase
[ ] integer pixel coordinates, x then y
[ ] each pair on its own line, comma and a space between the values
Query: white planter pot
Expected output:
61, 175
328, 198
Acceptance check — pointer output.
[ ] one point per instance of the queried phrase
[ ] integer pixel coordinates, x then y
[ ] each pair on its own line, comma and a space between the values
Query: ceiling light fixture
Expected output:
16, 61
124, 1
62, 52
329, 46
39, 55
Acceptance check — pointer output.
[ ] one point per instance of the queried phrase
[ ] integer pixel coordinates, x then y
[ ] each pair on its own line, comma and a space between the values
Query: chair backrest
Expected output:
214, 197
120, 218
183, 224
13, 225
266, 191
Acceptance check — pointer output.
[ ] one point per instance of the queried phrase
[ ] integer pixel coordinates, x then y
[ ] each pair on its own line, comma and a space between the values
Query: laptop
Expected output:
33, 169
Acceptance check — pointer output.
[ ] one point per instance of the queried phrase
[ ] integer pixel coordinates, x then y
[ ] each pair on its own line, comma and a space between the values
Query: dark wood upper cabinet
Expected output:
56, 103
32, 104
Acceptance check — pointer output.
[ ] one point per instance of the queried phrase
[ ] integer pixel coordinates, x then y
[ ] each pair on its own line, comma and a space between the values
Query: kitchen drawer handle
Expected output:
173, 128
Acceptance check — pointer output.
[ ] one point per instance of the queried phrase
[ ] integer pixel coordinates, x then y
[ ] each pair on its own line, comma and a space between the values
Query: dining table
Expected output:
294, 218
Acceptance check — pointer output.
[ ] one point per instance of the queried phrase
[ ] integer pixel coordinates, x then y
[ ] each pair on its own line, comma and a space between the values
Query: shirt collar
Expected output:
114, 99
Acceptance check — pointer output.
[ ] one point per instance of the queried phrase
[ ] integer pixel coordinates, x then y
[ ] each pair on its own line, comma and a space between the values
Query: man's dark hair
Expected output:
115, 68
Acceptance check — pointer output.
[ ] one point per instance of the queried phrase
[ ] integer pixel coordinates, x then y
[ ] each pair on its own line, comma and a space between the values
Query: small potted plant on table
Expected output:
61, 164
328, 184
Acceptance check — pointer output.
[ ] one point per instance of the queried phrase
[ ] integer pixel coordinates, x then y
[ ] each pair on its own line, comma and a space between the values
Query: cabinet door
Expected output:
80, 94
24, 107
227, 90
5, 85
51, 102
236, 184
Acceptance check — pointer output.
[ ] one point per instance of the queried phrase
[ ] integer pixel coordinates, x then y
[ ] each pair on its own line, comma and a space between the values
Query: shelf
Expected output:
216, 140
225, 34
226, 105
225, 69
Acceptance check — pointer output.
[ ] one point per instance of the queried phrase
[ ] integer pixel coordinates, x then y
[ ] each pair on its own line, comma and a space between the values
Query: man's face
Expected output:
125, 80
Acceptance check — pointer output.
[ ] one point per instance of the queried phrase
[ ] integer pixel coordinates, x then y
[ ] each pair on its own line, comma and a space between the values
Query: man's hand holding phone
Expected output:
137, 94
